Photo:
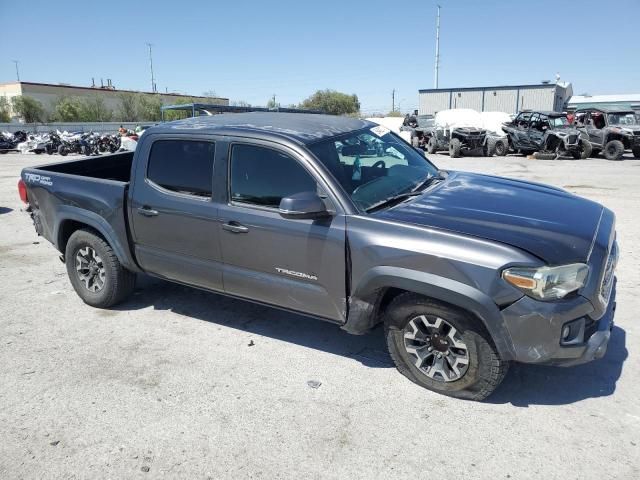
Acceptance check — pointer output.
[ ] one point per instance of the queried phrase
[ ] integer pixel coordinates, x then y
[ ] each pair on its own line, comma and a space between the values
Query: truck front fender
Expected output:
363, 302
70, 215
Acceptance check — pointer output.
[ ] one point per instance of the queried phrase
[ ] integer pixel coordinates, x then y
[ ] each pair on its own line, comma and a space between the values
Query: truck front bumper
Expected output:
538, 330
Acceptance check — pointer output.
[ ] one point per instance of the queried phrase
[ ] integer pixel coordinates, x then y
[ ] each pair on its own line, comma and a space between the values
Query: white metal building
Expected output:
507, 98
623, 101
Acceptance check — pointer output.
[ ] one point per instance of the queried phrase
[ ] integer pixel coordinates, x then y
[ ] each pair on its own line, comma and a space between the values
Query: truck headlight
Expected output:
548, 283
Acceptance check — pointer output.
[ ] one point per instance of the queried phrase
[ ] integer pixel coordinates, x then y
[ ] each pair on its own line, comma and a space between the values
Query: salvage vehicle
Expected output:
420, 130
610, 130
498, 141
459, 131
547, 133
466, 272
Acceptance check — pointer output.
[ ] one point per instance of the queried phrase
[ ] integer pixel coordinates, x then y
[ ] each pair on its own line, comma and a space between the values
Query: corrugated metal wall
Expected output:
430, 103
509, 100
467, 99
537, 99
500, 100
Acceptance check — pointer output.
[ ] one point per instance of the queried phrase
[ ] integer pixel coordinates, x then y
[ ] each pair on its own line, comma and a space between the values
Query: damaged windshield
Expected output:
374, 165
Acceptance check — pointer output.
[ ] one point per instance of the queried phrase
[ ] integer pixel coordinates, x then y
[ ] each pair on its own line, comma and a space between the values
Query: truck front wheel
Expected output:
613, 150
95, 272
442, 349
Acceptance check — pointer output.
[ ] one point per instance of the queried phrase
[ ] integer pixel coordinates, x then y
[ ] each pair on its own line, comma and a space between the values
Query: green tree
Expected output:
30, 109
5, 110
67, 109
129, 106
149, 108
332, 102
93, 109
272, 103
240, 103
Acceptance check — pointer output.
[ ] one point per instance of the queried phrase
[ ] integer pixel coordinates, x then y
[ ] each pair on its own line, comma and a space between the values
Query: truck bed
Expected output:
91, 191
116, 167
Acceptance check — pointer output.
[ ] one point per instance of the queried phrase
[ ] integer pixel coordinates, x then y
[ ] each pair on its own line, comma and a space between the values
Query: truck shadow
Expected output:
370, 349
541, 385
524, 385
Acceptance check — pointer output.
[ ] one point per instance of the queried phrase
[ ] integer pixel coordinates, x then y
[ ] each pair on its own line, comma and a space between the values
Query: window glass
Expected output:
262, 176
373, 165
183, 166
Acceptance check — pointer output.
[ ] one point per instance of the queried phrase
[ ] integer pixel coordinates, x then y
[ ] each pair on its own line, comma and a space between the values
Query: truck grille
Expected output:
609, 271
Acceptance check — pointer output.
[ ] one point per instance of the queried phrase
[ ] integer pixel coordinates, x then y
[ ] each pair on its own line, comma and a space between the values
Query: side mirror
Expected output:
303, 205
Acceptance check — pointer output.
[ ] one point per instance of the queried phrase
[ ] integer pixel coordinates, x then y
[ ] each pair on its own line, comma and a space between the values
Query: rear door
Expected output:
293, 263
174, 221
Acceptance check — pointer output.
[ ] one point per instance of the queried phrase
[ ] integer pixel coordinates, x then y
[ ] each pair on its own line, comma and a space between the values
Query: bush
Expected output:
5, 108
332, 102
30, 109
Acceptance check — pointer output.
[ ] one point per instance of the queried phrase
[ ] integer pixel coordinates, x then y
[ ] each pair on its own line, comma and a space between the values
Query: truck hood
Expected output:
548, 222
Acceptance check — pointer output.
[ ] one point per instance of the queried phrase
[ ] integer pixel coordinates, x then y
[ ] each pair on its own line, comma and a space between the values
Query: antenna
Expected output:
437, 66
153, 82
17, 71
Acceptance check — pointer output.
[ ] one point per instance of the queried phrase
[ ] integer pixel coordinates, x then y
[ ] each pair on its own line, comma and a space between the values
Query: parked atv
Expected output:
610, 131
460, 131
547, 133
419, 129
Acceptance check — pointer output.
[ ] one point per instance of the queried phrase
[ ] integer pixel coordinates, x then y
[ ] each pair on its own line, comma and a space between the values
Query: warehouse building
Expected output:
48, 93
506, 98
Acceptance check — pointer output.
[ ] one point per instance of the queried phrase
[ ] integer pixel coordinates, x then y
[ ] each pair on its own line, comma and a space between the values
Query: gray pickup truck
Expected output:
342, 220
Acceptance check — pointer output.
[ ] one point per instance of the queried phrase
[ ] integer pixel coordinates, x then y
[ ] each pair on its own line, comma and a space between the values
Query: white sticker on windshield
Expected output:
380, 131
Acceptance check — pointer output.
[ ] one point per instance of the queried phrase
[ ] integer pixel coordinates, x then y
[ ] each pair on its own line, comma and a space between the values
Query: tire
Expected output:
613, 150
455, 148
585, 151
489, 148
62, 150
636, 152
432, 146
502, 148
475, 380
111, 283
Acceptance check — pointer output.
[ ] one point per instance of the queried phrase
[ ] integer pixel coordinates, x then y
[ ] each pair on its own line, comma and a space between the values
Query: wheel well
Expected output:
68, 227
387, 295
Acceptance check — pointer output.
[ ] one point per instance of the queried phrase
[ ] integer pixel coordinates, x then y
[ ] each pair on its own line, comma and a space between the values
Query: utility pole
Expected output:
393, 100
153, 81
437, 67
17, 71
273, 100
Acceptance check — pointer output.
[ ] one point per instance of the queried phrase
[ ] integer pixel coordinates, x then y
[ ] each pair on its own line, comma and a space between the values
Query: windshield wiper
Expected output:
438, 177
391, 200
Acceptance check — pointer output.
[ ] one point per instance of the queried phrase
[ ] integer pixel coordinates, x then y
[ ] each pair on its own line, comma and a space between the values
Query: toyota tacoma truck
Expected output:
340, 219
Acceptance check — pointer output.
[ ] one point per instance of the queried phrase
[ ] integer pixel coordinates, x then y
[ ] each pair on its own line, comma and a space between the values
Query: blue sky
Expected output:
249, 50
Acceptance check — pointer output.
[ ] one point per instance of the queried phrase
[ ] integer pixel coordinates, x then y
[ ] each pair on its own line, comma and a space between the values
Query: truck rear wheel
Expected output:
585, 150
95, 272
442, 349
489, 148
613, 150
636, 152
455, 148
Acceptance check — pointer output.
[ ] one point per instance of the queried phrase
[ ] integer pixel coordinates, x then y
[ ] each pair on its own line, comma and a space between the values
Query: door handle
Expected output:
147, 212
235, 227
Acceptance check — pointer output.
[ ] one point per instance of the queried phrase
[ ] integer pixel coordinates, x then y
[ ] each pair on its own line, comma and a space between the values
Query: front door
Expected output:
293, 263
174, 222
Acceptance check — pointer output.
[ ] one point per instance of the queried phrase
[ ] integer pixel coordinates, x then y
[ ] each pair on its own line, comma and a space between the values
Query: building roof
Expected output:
580, 99
606, 109
497, 87
115, 90
300, 127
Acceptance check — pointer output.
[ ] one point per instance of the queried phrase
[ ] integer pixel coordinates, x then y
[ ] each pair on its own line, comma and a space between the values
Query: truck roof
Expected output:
299, 127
